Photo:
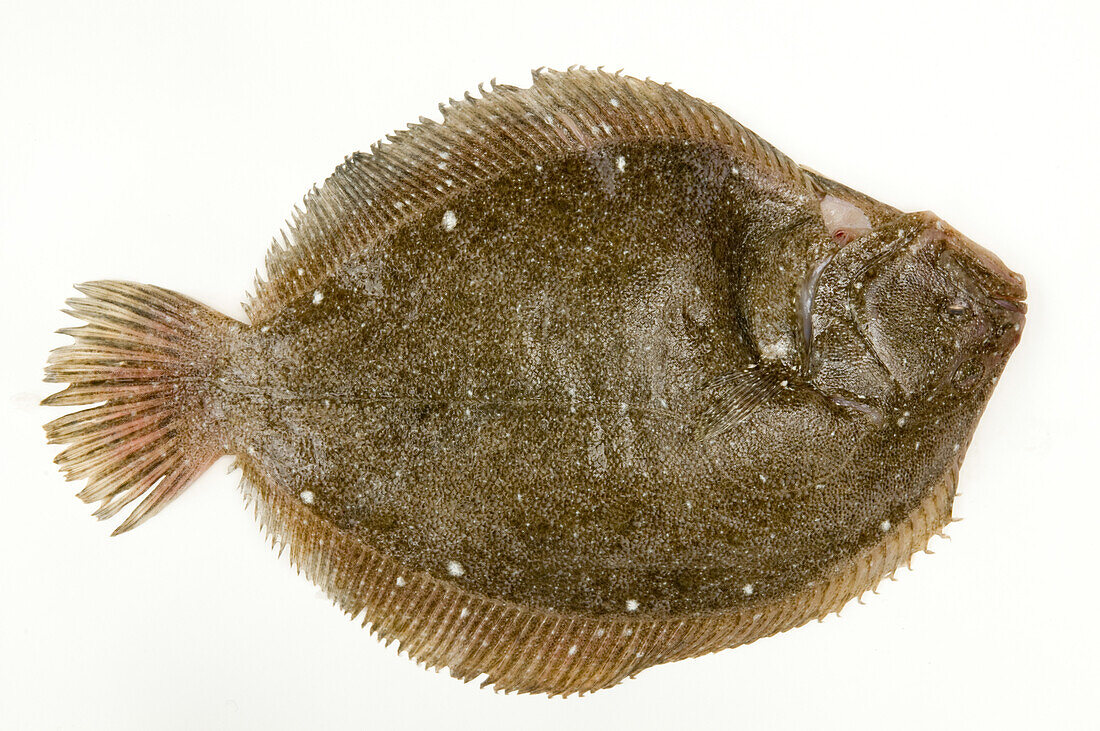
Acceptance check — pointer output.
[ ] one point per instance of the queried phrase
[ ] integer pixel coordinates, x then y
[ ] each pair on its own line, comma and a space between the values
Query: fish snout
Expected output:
1002, 285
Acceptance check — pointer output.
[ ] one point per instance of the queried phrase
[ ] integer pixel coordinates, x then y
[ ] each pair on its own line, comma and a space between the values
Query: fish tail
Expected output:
148, 358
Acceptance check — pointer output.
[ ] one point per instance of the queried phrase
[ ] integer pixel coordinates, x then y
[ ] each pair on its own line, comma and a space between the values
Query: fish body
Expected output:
584, 379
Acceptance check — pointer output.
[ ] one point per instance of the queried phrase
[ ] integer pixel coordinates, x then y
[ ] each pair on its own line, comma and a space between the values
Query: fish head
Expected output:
936, 309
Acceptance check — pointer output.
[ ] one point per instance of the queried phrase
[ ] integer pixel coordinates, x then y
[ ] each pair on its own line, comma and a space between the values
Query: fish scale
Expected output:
586, 378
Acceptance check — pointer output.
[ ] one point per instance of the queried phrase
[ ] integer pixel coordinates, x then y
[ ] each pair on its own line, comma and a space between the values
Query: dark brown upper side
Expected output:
506, 393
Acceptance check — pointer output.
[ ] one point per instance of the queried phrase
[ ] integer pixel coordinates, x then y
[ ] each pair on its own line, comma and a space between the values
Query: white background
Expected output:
166, 142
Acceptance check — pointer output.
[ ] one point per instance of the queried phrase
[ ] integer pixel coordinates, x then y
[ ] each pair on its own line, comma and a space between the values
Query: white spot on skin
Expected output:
450, 220
621, 163
317, 297
747, 589
464, 613
573, 650
614, 102
631, 605
454, 568
400, 581
306, 496
884, 526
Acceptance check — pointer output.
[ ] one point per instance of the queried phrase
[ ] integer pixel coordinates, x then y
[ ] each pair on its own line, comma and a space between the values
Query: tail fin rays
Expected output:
147, 357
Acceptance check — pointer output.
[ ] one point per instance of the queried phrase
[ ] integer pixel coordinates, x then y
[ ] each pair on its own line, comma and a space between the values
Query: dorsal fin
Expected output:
481, 138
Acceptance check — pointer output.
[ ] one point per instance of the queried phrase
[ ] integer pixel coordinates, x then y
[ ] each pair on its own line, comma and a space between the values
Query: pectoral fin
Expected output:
729, 399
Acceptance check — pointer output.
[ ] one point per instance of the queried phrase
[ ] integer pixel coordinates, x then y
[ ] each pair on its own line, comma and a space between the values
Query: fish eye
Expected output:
843, 236
957, 308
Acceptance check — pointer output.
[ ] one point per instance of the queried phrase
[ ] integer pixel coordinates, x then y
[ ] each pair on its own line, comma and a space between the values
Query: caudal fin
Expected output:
147, 357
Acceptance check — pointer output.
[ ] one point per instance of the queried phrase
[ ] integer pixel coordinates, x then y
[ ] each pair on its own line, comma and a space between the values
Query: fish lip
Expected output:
1011, 305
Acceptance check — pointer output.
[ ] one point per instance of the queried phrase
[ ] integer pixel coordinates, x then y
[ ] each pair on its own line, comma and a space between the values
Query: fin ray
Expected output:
144, 358
732, 397
522, 649
479, 138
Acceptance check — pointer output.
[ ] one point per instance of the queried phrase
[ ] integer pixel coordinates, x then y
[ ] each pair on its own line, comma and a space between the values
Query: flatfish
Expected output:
585, 378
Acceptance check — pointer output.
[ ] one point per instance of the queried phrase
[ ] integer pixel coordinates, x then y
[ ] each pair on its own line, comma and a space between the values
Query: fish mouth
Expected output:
1011, 305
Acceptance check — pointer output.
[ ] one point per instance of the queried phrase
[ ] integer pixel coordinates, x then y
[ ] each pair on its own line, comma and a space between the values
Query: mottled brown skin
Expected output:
589, 371
521, 394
